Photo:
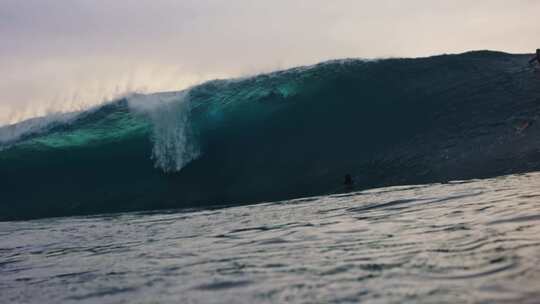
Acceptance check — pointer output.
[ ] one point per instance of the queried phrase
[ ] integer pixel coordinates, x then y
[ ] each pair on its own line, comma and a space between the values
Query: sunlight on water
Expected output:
474, 241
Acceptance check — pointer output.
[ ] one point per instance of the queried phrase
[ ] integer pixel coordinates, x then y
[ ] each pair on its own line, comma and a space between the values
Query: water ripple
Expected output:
472, 241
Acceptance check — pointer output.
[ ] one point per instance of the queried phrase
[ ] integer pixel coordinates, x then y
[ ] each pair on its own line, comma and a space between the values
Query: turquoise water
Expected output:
474, 241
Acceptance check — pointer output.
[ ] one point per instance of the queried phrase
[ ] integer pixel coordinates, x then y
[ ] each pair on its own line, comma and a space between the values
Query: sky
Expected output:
67, 55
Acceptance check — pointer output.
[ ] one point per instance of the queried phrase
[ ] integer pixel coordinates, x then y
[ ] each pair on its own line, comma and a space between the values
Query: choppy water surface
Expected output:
277, 136
475, 241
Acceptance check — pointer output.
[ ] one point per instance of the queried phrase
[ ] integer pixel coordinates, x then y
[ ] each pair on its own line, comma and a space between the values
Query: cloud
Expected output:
64, 55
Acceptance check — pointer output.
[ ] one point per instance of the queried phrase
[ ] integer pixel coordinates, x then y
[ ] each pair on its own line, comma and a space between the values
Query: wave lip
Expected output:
282, 135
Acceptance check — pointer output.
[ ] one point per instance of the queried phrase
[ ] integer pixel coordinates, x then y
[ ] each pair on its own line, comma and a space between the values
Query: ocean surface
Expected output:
474, 241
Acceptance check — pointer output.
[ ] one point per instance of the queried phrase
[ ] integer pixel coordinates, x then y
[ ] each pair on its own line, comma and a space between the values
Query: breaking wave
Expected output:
281, 135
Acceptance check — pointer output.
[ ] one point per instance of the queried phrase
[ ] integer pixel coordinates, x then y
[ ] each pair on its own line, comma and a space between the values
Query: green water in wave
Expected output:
114, 126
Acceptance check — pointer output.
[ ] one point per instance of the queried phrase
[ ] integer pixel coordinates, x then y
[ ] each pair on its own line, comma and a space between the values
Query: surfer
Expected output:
349, 182
536, 57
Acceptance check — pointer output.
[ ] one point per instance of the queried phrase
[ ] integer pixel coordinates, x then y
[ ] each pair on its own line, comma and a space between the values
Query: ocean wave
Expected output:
281, 135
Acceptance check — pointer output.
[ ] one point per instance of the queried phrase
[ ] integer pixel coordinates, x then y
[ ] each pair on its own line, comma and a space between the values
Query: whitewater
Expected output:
233, 191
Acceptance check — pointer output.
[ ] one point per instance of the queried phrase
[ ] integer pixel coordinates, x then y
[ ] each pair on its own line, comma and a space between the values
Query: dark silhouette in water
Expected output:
536, 57
349, 182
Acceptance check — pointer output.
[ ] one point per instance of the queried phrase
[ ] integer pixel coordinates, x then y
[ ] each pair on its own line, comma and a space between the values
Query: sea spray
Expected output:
39, 125
174, 140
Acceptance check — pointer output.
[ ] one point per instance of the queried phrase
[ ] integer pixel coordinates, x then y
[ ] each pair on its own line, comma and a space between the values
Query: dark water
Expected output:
279, 136
463, 242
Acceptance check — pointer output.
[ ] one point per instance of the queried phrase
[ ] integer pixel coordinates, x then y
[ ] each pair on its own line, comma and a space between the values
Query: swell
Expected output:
282, 135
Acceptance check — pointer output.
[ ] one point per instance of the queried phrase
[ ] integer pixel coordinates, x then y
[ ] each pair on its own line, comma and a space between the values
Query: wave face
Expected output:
277, 136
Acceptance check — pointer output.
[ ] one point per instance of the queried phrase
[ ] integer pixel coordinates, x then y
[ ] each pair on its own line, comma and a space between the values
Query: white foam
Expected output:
174, 141
12, 133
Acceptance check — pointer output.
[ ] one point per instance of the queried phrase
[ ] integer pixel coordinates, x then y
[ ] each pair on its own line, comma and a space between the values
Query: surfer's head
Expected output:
348, 180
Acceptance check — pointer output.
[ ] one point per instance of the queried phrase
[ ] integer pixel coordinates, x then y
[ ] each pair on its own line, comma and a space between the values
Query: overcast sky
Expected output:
69, 54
